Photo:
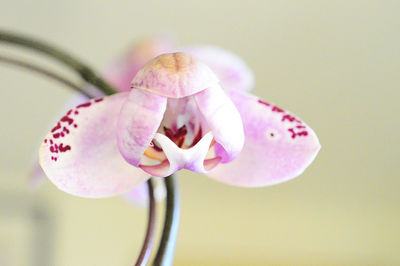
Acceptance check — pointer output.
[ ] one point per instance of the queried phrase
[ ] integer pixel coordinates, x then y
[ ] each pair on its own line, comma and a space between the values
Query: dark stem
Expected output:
149, 239
47, 73
84, 71
166, 249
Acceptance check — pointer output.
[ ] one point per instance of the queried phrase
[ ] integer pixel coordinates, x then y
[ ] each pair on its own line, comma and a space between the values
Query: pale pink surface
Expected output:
174, 75
140, 117
37, 176
224, 121
232, 71
80, 154
278, 146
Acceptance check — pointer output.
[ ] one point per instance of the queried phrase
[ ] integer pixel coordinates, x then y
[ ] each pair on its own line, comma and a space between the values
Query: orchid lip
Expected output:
178, 156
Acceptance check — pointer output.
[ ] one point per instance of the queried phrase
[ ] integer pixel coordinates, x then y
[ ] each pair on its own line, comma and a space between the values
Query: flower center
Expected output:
182, 141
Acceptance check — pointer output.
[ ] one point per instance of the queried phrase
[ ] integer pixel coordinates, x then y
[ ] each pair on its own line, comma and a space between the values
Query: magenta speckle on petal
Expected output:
289, 118
58, 126
264, 102
67, 119
60, 131
84, 105
277, 109
63, 148
303, 133
298, 130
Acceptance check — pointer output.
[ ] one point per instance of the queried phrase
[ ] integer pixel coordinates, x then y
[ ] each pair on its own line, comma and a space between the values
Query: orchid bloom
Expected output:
230, 69
176, 116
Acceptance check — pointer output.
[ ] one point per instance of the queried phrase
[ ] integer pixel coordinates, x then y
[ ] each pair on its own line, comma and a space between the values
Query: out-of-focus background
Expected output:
334, 63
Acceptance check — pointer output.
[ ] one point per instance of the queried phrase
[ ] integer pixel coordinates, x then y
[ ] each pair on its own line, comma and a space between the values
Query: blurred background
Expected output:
334, 63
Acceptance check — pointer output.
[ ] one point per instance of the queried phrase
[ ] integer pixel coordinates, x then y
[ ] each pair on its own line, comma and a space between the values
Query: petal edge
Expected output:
80, 154
277, 147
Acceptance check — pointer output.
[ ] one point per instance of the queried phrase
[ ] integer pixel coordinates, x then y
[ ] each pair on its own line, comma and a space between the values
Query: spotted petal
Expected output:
278, 146
231, 70
80, 154
37, 176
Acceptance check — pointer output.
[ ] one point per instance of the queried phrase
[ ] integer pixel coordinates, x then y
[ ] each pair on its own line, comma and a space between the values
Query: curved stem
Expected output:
149, 239
48, 73
166, 249
84, 71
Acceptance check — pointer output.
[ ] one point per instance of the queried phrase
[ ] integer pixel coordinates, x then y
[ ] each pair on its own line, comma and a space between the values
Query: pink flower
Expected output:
177, 116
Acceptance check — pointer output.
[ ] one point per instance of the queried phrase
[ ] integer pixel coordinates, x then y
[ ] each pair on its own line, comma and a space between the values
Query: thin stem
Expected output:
84, 71
149, 239
166, 249
45, 72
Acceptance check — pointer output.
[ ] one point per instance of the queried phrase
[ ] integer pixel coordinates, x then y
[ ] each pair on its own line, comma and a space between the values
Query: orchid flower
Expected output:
231, 70
176, 116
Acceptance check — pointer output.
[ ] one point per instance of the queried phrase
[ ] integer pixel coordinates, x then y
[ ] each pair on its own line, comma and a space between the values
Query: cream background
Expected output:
334, 63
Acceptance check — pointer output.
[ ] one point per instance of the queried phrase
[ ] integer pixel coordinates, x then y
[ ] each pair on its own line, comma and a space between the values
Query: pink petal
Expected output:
224, 121
122, 70
80, 154
159, 170
231, 70
174, 75
278, 145
37, 176
140, 117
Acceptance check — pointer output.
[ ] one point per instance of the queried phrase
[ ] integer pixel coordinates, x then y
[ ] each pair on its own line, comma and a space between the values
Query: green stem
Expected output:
166, 249
84, 71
